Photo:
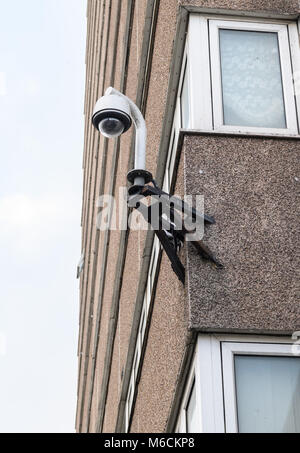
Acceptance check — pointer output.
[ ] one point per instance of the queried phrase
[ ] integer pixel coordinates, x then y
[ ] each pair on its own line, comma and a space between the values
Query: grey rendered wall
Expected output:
251, 186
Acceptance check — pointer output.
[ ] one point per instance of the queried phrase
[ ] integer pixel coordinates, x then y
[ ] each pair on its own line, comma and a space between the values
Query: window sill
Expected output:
274, 136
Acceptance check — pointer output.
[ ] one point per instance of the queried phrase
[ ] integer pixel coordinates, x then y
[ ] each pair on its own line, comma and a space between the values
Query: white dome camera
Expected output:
111, 116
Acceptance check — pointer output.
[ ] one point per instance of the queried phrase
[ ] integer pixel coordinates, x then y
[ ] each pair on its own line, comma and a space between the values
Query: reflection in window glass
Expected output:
192, 420
268, 394
184, 101
251, 79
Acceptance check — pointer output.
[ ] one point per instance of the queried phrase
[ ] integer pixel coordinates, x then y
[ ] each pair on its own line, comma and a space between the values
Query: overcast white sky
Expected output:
42, 49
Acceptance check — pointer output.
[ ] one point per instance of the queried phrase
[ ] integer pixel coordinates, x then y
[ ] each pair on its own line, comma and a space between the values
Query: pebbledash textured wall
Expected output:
277, 6
252, 187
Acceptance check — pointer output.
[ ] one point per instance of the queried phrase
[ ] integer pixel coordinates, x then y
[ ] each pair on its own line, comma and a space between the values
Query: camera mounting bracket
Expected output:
168, 226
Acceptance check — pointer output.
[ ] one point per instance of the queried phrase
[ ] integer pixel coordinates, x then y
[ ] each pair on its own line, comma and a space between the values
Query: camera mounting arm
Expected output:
140, 137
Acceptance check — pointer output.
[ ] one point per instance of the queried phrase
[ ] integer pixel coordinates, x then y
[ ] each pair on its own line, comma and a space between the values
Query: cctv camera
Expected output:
111, 116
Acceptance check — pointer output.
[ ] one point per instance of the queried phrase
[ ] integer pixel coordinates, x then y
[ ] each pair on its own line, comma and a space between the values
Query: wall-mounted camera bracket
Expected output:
167, 220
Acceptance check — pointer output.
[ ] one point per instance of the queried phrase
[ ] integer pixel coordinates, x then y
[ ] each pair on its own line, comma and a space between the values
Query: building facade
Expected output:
218, 83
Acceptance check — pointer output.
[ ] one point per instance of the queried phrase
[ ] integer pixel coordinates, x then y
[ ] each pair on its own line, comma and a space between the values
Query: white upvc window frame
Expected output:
177, 124
182, 419
229, 351
200, 77
214, 374
207, 371
206, 97
286, 75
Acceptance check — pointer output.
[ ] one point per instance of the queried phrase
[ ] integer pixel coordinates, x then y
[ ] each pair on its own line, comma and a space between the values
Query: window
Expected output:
268, 394
129, 402
181, 120
141, 332
170, 159
143, 324
252, 80
261, 388
188, 421
242, 384
184, 100
136, 360
241, 77
191, 412
252, 88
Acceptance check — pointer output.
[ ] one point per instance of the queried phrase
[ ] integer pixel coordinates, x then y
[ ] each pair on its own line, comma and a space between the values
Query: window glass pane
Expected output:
142, 326
184, 101
130, 399
136, 365
168, 166
251, 79
268, 394
192, 420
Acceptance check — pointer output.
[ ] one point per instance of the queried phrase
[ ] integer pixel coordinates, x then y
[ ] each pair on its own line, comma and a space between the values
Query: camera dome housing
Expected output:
111, 116
111, 127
